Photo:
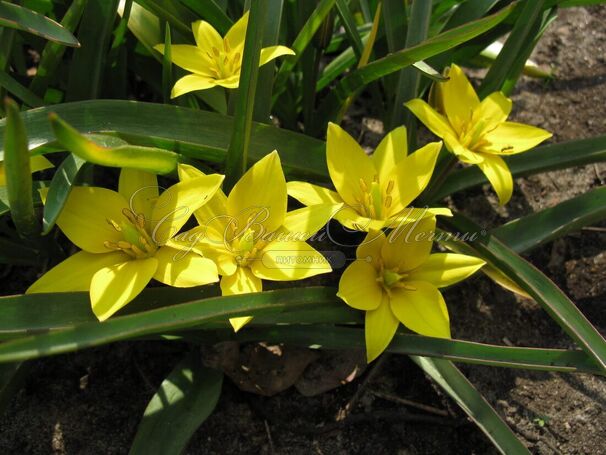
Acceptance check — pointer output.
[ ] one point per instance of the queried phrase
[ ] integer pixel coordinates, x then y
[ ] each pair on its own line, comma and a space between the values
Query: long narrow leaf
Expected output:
19, 91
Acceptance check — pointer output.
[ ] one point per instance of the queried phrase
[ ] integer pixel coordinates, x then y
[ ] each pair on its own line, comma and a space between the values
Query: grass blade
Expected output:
455, 384
236, 160
18, 173
182, 403
19, 91
167, 66
15, 16
523, 274
211, 12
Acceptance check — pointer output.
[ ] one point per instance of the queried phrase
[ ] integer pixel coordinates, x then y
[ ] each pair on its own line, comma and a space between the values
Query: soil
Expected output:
91, 402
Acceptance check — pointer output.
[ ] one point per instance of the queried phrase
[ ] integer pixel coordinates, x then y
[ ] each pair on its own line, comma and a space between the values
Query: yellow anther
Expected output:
363, 185
226, 46
138, 251
124, 245
113, 224
387, 201
389, 188
216, 52
141, 220
110, 245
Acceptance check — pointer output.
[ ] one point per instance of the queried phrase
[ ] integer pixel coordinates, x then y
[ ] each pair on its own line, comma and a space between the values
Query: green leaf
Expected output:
148, 159
182, 403
18, 173
172, 12
332, 337
167, 66
561, 309
455, 384
211, 12
15, 16
541, 159
19, 91
193, 133
396, 61
301, 42
88, 65
516, 49
236, 160
53, 52
59, 190
349, 24
531, 231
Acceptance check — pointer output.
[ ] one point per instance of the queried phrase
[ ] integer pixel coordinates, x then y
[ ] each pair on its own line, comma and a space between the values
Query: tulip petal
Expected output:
184, 269
492, 111
260, 196
445, 269
379, 328
412, 175
422, 310
241, 282
212, 214
391, 151
85, 215
349, 167
459, 97
462, 153
305, 222
189, 58
206, 36
270, 53
358, 286
499, 176
409, 246
509, 138
113, 287
237, 34
436, 122
287, 261
232, 81
39, 163
75, 273
309, 194
191, 83
411, 214
140, 189
177, 203
369, 250
351, 219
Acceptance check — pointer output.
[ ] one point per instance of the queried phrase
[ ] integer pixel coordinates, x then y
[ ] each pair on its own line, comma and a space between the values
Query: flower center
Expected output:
245, 247
137, 242
225, 63
390, 279
372, 203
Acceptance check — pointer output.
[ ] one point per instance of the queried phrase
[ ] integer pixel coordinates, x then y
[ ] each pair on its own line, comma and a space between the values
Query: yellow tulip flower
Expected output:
250, 235
214, 60
477, 131
36, 163
123, 237
376, 190
396, 279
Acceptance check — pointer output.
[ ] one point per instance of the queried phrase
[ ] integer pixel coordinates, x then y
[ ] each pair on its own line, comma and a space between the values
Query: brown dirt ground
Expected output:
91, 402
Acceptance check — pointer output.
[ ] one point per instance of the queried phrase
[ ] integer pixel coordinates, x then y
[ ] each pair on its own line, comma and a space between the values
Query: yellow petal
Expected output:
391, 150
351, 219
369, 250
422, 310
39, 163
462, 153
412, 175
232, 81
191, 83
436, 122
84, 218
114, 286
177, 203
408, 247
349, 167
309, 194
241, 282
305, 222
411, 214
286, 261
270, 53
379, 328
212, 214
184, 269
358, 286
497, 173
502, 280
259, 198
509, 138
75, 273
140, 189
445, 269
493, 110
237, 34
206, 36
189, 58
459, 97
